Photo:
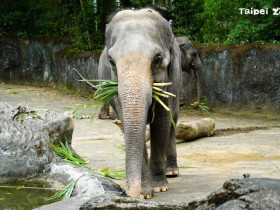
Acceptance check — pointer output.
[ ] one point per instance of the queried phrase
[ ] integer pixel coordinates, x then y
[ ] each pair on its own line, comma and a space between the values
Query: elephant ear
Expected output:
104, 66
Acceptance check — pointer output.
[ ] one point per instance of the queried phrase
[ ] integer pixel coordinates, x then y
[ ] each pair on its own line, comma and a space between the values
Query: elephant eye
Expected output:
157, 61
194, 54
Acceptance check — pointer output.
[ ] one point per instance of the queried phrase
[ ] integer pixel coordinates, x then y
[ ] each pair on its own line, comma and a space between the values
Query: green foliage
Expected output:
225, 24
75, 111
186, 16
107, 91
255, 28
113, 174
202, 105
204, 21
65, 192
64, 151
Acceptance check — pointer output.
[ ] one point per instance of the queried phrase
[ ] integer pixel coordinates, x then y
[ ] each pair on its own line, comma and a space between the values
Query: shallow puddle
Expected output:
25, 195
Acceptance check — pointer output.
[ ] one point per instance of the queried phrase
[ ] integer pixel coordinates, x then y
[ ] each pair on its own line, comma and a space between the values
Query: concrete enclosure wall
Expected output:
246, 76
234, 76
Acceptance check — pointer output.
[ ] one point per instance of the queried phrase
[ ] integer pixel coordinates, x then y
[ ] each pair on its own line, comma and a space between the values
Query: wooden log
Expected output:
186, 130
190, 130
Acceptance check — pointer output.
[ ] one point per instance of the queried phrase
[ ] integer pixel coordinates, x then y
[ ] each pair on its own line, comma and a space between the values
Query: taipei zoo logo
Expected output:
266, 11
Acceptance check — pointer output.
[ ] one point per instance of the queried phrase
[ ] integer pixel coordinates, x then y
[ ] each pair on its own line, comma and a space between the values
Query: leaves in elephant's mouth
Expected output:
108, 89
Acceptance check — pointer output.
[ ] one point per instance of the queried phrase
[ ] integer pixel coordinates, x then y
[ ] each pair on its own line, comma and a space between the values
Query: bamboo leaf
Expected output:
67, 154
66, 191
113, 174
202, 104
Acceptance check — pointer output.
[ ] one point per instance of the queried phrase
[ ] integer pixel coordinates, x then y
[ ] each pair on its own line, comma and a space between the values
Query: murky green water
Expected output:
25, 195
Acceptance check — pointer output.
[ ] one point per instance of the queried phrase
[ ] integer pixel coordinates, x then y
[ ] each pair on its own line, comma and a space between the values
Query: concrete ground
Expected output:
244, 143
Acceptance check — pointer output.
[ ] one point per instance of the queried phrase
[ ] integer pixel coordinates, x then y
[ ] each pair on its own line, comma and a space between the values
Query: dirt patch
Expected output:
233, 131
230, 157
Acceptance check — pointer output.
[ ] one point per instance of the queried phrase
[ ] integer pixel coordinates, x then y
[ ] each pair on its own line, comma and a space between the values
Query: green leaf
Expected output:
113, 174
202, 104
67, 154
66, 191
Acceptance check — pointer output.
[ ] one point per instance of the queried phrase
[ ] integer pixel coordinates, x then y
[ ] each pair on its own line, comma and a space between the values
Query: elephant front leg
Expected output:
160, 130
172, 169
147, 191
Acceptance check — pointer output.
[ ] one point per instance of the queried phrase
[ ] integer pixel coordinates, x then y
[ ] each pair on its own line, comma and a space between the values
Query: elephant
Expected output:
140, 49
191, 63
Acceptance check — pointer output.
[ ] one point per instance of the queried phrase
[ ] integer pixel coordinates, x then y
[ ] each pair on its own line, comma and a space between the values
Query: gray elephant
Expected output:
191, 63
140, 50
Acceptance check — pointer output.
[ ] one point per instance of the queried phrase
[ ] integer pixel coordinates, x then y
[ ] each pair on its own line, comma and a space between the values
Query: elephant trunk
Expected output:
135, 94
198, 70
198, 75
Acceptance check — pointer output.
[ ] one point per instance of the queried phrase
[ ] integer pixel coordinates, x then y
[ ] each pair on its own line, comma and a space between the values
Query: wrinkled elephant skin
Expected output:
140, 50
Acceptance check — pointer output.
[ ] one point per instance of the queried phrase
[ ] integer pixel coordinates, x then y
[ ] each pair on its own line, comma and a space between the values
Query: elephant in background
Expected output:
140, 49
191, 63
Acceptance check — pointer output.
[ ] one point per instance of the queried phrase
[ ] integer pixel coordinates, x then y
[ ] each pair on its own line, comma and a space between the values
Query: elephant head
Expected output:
140, 49
191, 62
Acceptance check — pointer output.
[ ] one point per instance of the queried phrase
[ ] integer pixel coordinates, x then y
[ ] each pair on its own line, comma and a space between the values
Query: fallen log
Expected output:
185, 130
190, 130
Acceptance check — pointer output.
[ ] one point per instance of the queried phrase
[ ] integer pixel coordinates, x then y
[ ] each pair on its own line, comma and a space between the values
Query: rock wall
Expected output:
44, 62
246, 76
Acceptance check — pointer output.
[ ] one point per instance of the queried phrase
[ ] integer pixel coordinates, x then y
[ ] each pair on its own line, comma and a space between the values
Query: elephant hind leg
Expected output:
104, 112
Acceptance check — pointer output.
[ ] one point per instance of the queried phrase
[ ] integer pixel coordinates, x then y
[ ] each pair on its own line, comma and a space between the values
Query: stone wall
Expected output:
43, 62
245, 76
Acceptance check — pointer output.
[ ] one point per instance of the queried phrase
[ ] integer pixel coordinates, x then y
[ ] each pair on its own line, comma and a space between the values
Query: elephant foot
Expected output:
104, 113
172, 172
160, 186
147, 193
160, 189
103, 116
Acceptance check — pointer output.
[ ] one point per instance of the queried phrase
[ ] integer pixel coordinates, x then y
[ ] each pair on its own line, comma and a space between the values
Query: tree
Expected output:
186, 15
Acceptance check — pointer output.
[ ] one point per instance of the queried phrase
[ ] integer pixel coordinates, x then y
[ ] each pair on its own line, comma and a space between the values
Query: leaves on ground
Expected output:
113, 174
69, 156
65, 192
